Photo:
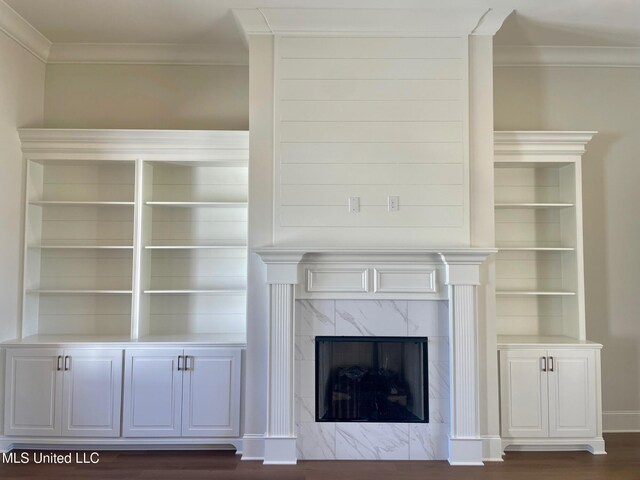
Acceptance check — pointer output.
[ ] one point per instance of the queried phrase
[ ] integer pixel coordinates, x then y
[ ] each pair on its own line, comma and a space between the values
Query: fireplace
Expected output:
373, 294
371, 379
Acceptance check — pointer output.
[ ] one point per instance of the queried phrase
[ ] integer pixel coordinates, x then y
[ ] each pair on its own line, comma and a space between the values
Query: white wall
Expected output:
21, 105
206, 97
607, 100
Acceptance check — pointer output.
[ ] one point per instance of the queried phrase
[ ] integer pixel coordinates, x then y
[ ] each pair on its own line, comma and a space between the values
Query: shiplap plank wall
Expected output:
371, 117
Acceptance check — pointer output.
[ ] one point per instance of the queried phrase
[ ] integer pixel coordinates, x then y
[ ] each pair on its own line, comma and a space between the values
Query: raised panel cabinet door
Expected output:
33, 392
92, 392
523, 393
152, 392
211, 393
572, 393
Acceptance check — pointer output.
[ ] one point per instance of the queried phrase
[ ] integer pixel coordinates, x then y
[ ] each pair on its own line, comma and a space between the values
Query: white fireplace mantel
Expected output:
410, 273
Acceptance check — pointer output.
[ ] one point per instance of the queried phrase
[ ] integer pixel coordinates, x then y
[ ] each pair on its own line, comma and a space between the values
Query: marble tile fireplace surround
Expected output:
373, 292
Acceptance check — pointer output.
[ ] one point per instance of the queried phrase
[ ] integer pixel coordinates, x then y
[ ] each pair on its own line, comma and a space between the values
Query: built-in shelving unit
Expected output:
549, 372
538, 214
194, 231
135, 233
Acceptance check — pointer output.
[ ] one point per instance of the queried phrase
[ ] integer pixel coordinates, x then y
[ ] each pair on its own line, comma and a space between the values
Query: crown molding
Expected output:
541, 142
491, 21
381, 21
177, 144
147, 53
555, 56
23, 33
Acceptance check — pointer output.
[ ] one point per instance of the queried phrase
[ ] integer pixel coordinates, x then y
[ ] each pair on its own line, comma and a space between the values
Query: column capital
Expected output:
282, 265
463, 268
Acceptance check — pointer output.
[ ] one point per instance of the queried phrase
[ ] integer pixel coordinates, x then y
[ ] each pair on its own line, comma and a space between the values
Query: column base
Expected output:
465, 451
253, 446
280, 451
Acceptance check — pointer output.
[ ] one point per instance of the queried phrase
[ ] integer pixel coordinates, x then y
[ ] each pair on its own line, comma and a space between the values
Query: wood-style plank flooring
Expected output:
621, 463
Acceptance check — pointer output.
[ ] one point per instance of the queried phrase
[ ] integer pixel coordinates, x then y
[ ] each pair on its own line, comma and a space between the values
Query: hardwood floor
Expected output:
621, 463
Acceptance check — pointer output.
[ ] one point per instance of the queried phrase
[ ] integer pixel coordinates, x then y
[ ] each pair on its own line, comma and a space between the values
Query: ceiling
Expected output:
607, 23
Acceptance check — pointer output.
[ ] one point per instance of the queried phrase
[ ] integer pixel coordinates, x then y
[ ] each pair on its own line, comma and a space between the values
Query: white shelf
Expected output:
207, 292
534, 205
536, 249
84, 247
536, 341
557, 293
199, 204
212, 339
78, 203
80, 292
192, 247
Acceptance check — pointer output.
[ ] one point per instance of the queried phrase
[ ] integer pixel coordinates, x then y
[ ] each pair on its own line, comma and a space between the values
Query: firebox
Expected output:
372, 379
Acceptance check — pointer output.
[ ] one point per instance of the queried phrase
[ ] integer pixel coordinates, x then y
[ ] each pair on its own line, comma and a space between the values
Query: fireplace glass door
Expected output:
371, 379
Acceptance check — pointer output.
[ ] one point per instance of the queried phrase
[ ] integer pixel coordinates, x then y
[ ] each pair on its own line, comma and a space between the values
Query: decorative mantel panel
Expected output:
431, 274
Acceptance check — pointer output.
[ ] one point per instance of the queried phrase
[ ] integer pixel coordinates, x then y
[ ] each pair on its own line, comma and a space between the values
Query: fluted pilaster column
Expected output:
465, 441
280, 435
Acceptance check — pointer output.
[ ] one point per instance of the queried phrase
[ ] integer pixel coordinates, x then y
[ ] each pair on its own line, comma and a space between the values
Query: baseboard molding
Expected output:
621, 421
253, 447
56, 443
492, 448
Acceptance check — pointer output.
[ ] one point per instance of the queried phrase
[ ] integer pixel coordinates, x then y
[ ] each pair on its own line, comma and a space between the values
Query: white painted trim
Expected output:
229, 146
465, 452
362, 288
252, 447
429, 272
23, 33
492, 448
120, 443
450, 21
148, 54
551, 143
594, 445
491, 21
280, 451
621, 421
563, 56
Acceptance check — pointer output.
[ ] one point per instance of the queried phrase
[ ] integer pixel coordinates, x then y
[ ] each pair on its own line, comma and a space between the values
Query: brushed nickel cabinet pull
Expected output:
59, 363
551, 362
544, 364
67, 363
179, 363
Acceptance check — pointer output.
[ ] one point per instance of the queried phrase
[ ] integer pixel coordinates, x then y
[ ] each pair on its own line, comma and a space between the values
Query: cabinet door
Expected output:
91, 393
572, 393
211, 393
33, 392
523, 393
152, 393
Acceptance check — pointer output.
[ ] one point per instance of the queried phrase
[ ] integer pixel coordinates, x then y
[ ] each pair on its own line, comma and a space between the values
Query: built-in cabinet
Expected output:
171, 392
549, 393
549, 372
73, 392
134, 288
